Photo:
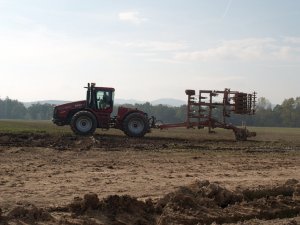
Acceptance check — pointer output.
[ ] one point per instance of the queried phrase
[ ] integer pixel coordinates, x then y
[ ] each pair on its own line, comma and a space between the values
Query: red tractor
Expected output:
95, 112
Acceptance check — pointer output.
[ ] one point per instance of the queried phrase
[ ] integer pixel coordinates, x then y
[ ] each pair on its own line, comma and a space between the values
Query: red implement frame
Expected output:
201, 108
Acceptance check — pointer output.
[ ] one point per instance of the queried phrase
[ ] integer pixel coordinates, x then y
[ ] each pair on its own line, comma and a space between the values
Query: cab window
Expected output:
104, 99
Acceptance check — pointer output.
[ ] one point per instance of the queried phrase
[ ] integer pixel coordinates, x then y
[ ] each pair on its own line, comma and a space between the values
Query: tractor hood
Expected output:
71, 105
61, 112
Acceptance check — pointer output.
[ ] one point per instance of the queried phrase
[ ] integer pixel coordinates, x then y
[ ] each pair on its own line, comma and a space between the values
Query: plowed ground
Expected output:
111, 179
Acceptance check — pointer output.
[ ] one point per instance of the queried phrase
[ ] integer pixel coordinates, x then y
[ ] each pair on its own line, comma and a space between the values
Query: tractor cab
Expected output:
100, 98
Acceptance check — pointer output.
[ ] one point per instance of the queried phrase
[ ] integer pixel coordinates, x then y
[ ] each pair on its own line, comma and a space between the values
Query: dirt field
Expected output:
160, 179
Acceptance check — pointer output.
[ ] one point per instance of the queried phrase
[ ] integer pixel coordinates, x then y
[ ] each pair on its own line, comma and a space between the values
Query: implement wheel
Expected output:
241, 135
83, 123
135, 125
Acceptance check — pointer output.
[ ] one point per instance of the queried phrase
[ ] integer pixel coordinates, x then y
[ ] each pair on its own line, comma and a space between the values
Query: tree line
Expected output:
13, 109
286, 114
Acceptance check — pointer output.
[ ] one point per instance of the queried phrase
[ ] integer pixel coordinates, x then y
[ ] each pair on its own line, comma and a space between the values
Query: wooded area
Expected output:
13, 109
286, 114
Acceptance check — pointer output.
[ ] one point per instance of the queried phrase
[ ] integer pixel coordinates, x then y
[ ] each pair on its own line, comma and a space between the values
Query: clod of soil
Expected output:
91, 201
80, 205
29, 213
77, 206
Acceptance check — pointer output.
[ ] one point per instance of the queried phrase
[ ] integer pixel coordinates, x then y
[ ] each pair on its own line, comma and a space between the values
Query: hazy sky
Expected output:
148, 49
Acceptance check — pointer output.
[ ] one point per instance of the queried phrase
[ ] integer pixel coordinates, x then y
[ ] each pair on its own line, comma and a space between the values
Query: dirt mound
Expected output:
202, 202
287, 190
205, 203
114, 209
29, 213
199, 203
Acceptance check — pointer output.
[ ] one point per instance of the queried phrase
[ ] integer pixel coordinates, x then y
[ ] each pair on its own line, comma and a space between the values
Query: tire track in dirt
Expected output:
111, 142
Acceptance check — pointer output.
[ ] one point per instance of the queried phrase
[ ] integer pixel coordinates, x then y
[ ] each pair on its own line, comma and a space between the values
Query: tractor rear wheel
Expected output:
135, 125
83, 123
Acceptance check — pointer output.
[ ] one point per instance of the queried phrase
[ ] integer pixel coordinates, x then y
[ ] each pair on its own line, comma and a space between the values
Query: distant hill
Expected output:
121, 101
168, 101
163, 101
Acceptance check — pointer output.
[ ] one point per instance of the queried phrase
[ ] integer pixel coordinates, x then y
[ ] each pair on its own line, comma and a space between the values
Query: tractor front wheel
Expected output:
135, 125
83, 123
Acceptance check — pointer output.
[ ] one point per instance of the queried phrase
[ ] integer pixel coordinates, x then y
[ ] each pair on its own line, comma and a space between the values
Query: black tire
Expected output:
240, 135
135, 125
83, 123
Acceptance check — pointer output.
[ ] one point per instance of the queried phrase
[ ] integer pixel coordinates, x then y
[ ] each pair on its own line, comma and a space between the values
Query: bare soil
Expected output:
112, 179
